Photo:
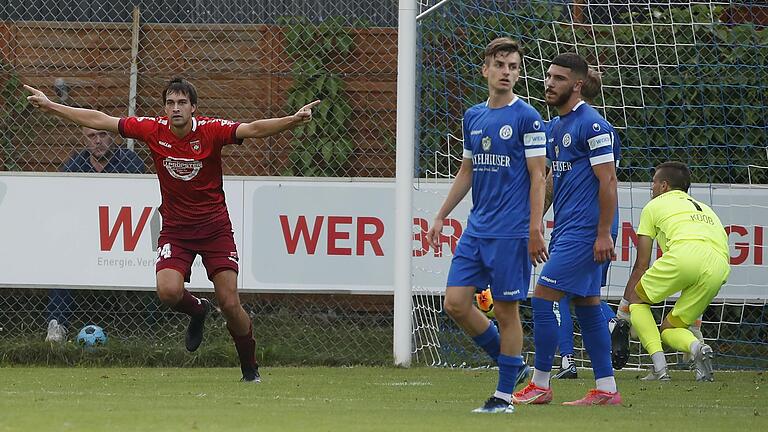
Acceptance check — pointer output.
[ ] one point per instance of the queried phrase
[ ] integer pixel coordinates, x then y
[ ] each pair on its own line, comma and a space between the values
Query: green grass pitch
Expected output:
358, 399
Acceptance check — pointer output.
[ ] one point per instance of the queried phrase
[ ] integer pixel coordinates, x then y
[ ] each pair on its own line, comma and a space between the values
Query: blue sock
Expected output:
597, 340
509, 367
489, 341
565, 333
608, 313
545, 333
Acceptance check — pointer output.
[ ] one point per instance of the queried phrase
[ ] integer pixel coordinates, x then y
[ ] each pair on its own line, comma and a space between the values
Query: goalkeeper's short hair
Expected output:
677, 174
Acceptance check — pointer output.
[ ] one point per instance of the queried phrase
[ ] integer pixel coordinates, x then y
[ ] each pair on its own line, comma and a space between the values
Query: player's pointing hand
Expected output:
38, 99
304, 115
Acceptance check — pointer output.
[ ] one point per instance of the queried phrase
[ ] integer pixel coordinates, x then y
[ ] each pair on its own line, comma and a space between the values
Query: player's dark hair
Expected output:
676, 174
592, 85
573, 62
502, 45
181, 86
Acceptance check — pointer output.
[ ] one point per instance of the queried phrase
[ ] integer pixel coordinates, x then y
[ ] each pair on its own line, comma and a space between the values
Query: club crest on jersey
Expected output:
505, 132
486, 143
566, 140
195, 146
595, 127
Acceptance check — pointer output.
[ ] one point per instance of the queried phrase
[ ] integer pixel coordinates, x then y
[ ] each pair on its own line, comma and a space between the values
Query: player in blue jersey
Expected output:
504, 165
589, 91
585, 201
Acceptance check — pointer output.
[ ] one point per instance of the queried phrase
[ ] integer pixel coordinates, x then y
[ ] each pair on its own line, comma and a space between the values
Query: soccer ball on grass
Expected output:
91, 336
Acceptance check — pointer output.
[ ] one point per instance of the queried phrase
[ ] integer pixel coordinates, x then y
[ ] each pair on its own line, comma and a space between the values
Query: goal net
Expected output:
681, 81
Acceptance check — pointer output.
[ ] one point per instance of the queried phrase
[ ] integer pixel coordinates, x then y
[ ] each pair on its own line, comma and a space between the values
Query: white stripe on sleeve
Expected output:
535, 152
601, 159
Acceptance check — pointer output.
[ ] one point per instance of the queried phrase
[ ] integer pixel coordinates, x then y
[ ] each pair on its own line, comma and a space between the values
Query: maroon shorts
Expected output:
218, 252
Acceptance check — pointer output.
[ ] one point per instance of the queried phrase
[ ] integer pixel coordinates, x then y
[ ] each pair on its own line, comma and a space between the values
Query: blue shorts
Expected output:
572, 269
503, 264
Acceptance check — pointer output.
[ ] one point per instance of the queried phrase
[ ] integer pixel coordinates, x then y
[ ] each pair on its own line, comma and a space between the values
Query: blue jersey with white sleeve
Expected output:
577, 141
498, 141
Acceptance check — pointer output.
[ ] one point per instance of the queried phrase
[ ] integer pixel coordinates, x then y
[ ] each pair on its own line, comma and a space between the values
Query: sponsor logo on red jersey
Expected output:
182, 169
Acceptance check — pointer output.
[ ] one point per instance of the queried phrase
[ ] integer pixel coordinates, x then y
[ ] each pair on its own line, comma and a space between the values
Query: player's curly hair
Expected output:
182, 86
676, 174
502, 45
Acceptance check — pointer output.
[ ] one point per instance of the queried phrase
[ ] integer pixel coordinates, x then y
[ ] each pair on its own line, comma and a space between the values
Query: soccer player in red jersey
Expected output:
186, 150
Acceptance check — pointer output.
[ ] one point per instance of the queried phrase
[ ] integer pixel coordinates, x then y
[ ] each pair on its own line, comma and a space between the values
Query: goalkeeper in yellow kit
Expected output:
694, 262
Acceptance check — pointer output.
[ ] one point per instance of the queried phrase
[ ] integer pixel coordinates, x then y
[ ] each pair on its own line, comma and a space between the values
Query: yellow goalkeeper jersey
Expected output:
673, 218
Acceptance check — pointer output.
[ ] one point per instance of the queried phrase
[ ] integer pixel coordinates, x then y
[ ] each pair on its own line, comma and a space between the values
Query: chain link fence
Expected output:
290, 329
248, 60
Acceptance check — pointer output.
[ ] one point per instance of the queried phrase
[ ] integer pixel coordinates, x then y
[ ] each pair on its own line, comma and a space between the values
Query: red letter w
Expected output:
301, 231
108, 236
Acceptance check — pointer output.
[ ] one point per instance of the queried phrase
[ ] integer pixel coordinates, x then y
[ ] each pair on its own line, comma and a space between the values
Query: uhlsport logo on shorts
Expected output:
550, 280
505, 132
182, 169
566, 140
486, 143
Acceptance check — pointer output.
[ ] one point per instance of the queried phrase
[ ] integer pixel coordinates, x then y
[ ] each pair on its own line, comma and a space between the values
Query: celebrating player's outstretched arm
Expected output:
84, 117
268, 127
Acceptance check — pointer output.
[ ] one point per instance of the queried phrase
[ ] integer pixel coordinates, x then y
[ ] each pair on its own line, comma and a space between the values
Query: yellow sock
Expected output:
678, 338
645, 327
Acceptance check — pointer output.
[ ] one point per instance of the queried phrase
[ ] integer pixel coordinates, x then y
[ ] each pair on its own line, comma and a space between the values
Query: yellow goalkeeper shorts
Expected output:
692, 268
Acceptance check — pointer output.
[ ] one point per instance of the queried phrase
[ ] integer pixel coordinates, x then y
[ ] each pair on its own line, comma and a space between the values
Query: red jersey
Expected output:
189, 171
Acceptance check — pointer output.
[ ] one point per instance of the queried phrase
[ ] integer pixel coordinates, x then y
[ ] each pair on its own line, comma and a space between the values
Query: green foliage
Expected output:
13, 107
680, 86
324, 146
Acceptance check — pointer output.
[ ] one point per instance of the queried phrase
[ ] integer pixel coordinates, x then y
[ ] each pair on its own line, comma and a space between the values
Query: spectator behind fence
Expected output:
100, 155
